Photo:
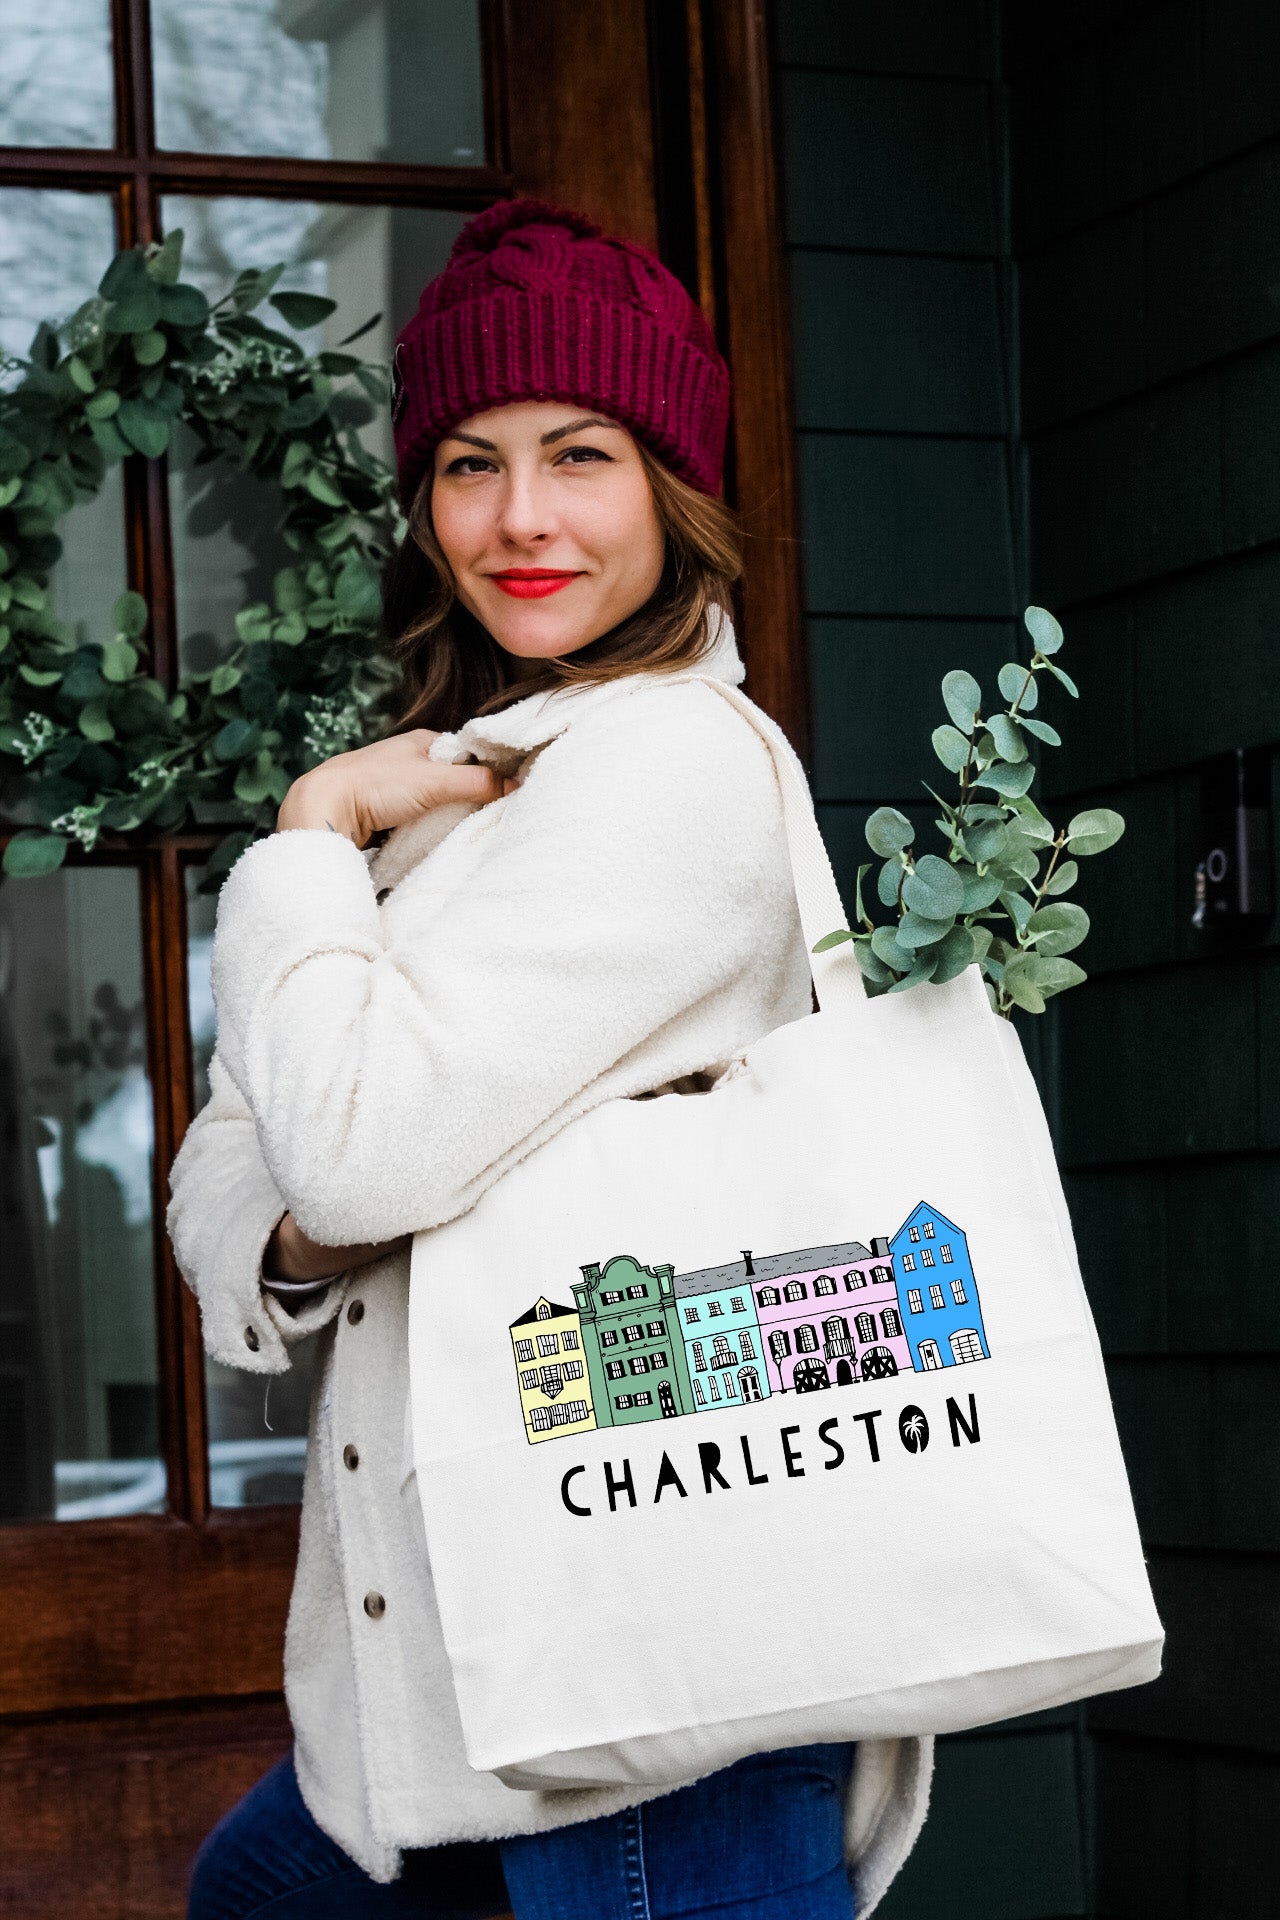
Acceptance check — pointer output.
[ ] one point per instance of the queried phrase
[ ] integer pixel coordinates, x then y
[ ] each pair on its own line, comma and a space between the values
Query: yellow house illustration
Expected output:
555, 1392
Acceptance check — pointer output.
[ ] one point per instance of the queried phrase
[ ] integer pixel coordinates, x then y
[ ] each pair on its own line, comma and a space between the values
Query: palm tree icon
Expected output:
913, 1429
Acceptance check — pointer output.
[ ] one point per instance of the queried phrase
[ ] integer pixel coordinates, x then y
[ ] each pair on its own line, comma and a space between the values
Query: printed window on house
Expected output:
569, 1341
735, 1303
806, 1340
744, 1341
698, 1394
640, 1364
633, 1332
529, 1379
637, 1293
644, 1399
616, 1369
714, 1310
611, 1298
656, 1329
928, 1229
935, 1296
691, 1316
945, 1251
524, 1349
540, 1418
730, 1392
824, 1284
572, 1369
854, 1279
884, 1275
767, 1297
657, 1360
715, 1391
958, 1293
699, 1358
866, 1326
914, 1300
927, 1257
797, 1290
608, 1336
915, 1233
891, 1323
568, 1413
724, 1352
779, 1345
544, 1311
548, 1343
908, 1263
622, 1401
966, 1346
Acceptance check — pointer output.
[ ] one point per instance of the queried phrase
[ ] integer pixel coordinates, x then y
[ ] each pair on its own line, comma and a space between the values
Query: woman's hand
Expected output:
290, 1255
385, 784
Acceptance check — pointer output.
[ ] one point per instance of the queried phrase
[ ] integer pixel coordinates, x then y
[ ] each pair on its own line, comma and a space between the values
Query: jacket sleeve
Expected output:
223, 1204
639, 868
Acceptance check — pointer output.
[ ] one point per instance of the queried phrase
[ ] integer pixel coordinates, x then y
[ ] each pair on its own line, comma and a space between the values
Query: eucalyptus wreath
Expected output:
996, 896
90, 737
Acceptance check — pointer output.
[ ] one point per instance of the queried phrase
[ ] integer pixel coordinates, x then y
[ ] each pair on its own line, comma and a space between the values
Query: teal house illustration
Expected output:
937, 1293
721, 1332
631, 1342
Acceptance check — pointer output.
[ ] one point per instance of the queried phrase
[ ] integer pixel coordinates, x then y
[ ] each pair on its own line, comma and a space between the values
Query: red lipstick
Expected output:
532, 583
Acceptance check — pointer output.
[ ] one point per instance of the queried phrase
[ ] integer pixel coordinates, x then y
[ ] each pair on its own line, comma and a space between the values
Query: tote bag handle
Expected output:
836, 975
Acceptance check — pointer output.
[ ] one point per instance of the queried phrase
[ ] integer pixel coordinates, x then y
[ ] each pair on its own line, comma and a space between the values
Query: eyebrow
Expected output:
557, 433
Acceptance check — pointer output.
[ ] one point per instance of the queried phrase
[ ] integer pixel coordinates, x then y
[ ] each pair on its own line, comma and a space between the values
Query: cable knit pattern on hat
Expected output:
537, 303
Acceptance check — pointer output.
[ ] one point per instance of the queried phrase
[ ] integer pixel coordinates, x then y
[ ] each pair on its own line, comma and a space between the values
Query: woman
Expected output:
584, 895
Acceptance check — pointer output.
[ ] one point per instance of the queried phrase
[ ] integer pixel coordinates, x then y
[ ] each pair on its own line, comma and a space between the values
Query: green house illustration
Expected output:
631, 1340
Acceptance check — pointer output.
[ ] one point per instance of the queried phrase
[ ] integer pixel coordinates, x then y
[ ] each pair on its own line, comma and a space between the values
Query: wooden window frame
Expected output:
189, 1605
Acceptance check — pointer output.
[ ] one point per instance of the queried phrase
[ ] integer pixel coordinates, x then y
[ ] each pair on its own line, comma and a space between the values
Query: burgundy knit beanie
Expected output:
537, 303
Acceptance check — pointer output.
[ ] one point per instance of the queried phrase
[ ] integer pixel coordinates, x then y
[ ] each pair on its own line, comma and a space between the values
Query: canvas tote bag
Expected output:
775, 1414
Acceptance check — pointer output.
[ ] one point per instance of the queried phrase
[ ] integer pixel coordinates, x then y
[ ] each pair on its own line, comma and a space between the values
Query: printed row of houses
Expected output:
645, 1343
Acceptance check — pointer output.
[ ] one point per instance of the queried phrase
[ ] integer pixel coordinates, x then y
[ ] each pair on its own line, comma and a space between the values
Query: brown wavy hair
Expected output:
453, 668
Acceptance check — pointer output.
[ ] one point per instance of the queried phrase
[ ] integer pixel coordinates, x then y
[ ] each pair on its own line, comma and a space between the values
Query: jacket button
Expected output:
350, 1458
355, 1312
251, 1339
374, 1605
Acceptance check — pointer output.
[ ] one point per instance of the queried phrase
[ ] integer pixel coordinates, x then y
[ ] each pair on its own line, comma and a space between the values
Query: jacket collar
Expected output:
505, 739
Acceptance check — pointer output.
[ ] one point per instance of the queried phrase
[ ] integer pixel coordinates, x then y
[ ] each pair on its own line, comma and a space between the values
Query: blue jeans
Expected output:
761, 1840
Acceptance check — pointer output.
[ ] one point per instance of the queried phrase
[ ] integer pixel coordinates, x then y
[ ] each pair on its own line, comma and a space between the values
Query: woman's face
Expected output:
544, 512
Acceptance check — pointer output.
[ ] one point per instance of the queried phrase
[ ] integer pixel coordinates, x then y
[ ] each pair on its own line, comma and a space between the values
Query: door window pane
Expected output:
55, 247
226, 542
55, 73
257, 1431
79, 1394
395, 80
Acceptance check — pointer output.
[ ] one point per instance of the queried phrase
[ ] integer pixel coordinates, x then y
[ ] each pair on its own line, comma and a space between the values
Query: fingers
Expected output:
473, 783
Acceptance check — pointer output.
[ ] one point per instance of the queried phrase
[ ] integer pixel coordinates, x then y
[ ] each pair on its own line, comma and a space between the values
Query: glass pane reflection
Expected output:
226, 542
55, 73
55, 247
257, 1433
395, 80
79, 1386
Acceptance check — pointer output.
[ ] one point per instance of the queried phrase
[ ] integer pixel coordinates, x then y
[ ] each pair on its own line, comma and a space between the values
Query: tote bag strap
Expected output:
836, 975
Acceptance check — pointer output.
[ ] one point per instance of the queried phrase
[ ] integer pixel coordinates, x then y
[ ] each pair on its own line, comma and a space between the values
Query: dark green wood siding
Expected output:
1146, 194
1034, 259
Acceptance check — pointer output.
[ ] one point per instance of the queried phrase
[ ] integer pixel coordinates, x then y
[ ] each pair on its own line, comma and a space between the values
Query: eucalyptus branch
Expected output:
986, 902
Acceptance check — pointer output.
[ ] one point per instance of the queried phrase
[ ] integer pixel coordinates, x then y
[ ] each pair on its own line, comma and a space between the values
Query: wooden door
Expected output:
141, 1629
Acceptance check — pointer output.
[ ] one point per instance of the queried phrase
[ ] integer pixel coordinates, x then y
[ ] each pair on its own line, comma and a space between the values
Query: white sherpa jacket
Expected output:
395, 1028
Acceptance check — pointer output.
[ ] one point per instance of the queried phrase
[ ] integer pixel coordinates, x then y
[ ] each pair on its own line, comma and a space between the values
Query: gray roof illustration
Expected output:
771, 1266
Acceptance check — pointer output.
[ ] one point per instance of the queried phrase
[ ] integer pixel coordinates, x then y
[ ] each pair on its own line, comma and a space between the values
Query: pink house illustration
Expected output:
828, 1316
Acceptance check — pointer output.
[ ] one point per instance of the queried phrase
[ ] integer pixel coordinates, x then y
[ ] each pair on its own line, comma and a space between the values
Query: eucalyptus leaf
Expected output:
183, 306
149, 348
915, 931
987, 841
951, 747
872, 968
1019, 984
32, 852
1063, 878
955, 953
1043, 628
118, 660
1010, 744
1013, 681
1058, 928
886, 949
888, 831
95, 722
934, 889
103, 404
829, 940
888, 880
144, 426
860, 911
981, 937
962, 697
1018, 908
1065, 678
129, 615
982, 891
1011, 781
924, 969
1094, 831
303, 310
1042, 730
321, 488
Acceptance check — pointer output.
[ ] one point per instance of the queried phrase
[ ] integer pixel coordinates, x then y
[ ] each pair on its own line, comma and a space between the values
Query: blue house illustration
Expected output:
716, 1309
937, 1295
